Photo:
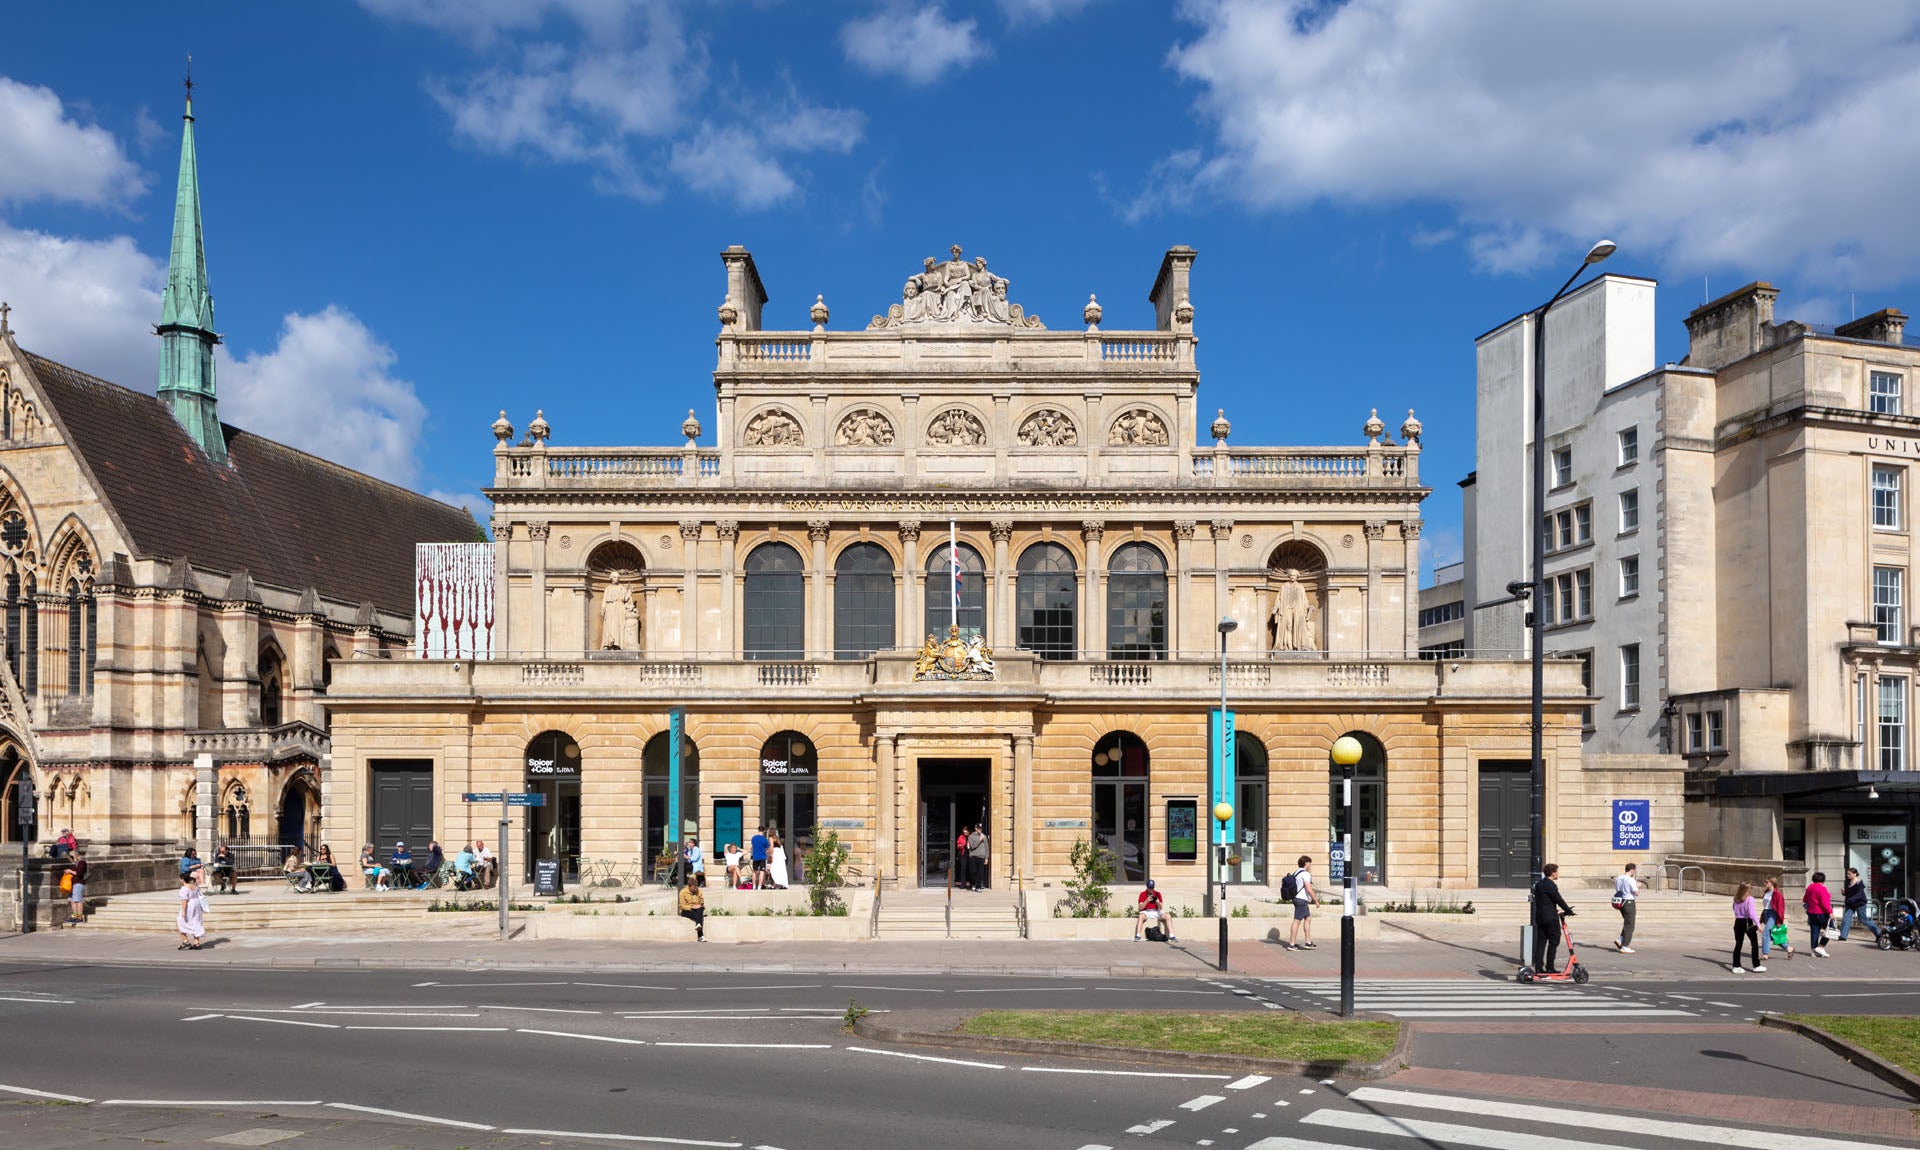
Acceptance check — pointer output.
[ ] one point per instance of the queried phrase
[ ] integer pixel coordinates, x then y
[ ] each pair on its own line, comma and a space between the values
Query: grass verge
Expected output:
1264, 1035
1894, 1038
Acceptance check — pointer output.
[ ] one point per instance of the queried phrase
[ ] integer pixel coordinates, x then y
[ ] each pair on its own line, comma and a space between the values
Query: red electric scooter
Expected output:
1573, 971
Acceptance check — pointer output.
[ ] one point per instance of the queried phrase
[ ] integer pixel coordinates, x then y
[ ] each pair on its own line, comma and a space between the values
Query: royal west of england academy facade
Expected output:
785, 578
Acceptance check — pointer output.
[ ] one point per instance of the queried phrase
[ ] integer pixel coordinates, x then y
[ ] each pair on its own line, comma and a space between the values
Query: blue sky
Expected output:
421, 211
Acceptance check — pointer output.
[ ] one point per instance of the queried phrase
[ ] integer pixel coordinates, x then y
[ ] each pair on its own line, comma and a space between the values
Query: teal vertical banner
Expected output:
676, 722
1224, 785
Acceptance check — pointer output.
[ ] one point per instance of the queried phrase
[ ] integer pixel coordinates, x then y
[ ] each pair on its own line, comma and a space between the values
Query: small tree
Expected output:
1087, 889
826, 861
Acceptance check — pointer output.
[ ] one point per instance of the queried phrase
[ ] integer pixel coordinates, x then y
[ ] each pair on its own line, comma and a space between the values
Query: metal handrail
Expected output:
1020, 901
1661, 870
873, 917
949, 899
1703, 878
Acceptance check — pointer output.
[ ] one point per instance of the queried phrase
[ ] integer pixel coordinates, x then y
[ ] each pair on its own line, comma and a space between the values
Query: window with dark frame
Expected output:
1137, 603
863, 601
1046, 602
972, 613
776, 603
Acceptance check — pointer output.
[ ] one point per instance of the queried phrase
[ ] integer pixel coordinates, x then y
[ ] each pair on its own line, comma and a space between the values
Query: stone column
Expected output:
1222, 536
1022, 837
502, 543
819, 612
690, 587
1410, 536
884, 786
729, 532
1001, 530
1376, 531
538, 530
1095, 630
1182, 584
908, 625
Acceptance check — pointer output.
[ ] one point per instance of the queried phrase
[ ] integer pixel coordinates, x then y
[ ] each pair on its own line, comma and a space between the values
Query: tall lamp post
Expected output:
1346, 752
1537, 806
1222, 809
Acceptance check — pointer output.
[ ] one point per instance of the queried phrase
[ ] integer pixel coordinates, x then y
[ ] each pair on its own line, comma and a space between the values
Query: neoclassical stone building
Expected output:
953, 567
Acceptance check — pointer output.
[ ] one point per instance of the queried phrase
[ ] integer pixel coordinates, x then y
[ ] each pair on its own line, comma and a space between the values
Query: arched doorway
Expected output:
789, 764
299, 813
1120, 779
656, 774
553, 764
1370, 808
15, 769
1249, 810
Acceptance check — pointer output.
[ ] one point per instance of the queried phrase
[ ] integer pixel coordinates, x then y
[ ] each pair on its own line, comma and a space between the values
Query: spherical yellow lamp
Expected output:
1223, 812
1346, 750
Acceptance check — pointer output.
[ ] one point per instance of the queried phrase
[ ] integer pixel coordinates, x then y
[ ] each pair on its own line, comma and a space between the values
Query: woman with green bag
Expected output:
1773, 919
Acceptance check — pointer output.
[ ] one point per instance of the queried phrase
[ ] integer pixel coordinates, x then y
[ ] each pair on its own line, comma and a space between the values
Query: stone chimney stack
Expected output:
1170, 290
740, 311
1732, 327
1888, 325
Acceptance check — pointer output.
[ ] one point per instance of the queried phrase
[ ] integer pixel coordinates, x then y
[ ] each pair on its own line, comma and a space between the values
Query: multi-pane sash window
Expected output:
1570, 596
1583, 523
1583, 592
1046, 602
1893, 722
1630, 677
1586, 685
1562, 466
1629, 446
1629, 511
1883, 393
1887, 484
1889, 603
1716, 730
1696, 732
1572, 527
1629, 576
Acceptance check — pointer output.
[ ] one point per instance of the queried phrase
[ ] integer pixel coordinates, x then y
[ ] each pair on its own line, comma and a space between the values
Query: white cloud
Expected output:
88, 303
1762, 134
46, 155
918, 44
731, 162
1040, 11
477, 505
328, 388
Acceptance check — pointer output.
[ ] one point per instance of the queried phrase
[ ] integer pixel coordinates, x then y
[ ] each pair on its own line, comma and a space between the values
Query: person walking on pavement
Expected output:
1626, 900
1303, 899
1548, 906
977, 849
693, 908
1746, 928
193, 908
1773, 912
1819, 903
1854, 896
77, 897
962, 861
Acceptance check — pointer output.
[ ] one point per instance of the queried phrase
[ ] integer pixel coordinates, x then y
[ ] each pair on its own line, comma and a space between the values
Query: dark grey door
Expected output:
1505, 843
402, 804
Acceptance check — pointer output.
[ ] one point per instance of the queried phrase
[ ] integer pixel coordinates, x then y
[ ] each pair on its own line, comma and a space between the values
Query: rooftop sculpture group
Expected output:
954, 292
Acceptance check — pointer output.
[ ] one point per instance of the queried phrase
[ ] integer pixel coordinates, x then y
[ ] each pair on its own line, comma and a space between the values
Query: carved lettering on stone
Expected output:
864, 427
956, 428
954, 293
1048, 428
1138, 428
773, 429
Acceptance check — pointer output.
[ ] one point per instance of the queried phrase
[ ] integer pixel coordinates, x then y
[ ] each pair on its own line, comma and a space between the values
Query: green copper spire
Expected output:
186, 312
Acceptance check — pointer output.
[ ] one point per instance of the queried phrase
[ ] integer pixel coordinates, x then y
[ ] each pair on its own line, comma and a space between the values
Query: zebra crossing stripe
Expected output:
1447, 1132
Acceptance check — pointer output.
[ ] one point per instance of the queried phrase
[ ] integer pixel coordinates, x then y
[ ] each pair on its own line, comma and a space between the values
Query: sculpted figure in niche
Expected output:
773, 429
956, 428
619, 616
865, 428
1048, 428
1138, 428
1295, 622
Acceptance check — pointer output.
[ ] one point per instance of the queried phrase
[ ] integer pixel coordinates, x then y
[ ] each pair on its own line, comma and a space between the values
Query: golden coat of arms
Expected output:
954, 659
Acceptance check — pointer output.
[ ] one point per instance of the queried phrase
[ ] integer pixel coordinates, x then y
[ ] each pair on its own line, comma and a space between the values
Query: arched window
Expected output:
862, 601
80, 632
14, 633
656, 771
1046, 602
1137, 603
776, 607
239, 815
972, 615
31, 657
272, 676
1249, 811
1120, 778
1369, 806
13, 769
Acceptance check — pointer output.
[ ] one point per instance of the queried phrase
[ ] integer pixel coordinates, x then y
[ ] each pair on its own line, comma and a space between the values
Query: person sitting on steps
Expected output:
1151, 915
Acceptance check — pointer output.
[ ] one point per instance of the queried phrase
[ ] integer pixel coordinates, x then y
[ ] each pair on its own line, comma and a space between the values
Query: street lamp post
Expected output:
1537, 805
1346, 752
1222, 809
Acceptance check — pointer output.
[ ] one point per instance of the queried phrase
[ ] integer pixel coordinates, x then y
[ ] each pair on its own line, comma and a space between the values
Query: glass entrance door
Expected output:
553, 830
953, 797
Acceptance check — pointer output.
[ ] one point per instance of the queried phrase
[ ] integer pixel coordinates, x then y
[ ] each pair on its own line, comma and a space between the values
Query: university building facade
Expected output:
956, 567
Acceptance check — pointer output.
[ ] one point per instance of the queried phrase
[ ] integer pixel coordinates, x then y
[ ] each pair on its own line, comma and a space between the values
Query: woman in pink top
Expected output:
1819, 903
1746, 927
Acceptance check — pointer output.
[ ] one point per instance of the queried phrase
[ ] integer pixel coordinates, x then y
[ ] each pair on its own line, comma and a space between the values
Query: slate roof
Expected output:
287, 518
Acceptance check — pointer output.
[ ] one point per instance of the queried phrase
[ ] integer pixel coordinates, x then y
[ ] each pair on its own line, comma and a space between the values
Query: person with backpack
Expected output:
1151, 915
1297, 888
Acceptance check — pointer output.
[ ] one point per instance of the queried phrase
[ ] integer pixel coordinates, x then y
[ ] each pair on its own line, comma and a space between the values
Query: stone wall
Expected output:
1583, 815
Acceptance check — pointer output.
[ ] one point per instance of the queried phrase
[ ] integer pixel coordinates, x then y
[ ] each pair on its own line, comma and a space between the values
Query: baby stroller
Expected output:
1901, 930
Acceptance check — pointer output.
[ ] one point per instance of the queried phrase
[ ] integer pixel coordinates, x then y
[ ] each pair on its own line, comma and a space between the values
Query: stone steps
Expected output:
921, 918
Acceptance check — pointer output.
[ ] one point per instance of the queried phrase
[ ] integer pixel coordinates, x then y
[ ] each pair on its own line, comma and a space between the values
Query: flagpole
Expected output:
953, 575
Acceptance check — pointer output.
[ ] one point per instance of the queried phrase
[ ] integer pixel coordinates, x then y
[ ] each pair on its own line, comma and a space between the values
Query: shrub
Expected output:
826, 862
1087, 891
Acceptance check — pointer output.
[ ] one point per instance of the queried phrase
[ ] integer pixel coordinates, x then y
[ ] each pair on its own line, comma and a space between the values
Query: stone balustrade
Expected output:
258, 744
885, 350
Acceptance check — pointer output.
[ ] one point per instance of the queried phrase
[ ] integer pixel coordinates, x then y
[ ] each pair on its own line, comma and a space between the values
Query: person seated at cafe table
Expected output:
223, 869
400, 865
295, 871
325, 871
483, 863
436, 858
370, 866
463, 876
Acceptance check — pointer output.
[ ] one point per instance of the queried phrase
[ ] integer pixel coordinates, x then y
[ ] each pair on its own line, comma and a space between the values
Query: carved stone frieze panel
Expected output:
773, 429
1137, 427
956, 427
1048, 427
864, 427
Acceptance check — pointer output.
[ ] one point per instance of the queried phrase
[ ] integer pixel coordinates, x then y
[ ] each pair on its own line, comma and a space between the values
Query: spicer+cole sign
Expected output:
1630, 819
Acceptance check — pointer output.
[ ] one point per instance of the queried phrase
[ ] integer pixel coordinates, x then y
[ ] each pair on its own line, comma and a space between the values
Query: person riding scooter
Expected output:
1547, 909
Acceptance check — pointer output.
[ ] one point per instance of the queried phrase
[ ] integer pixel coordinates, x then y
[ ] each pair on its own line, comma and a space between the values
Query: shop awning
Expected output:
1794, 783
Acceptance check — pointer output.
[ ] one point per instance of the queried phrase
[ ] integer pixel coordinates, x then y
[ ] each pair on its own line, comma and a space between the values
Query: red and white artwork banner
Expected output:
453, 600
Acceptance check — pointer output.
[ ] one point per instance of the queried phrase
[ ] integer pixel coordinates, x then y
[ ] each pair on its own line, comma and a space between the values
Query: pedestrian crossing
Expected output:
1456, 998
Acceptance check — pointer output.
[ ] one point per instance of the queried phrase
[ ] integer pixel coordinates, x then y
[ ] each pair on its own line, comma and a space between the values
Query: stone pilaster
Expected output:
1001, 530
819, 615
1376, 636
729, 532
1222, 532
690, 587
1091, 532
1410, 536
537, 531
908, 625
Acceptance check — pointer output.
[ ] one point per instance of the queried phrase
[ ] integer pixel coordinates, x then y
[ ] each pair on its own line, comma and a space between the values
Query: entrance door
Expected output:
953, 796
402, 804
1879, 853
1506, 846
553, 830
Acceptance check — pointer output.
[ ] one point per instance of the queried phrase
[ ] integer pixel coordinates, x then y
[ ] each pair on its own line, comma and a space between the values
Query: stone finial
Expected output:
1221, 428
1183, 315
818, 313
729, 315
5, 328
1410, 430
1373, 428
503, 428
1092, 312
539, 429
690, 426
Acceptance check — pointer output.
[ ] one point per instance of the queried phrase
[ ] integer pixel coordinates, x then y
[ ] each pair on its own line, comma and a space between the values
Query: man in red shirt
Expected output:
1151, 910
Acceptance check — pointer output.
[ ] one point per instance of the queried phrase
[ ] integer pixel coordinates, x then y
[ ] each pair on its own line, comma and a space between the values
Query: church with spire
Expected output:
174, 589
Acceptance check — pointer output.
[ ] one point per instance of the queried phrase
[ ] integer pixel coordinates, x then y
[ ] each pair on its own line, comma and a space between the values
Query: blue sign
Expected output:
480, 797
1630, 819
511, 798
676, 721
1223, 748
1336, 862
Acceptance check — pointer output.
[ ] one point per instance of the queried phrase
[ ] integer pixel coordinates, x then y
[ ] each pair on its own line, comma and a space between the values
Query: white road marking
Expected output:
926, 1058
1270, 1005
588, 1037
286, 1021
410, 1117
779, 986
31, 1093
1596, 1120
538, 1009
1150, 1127
330, 1012
1156, 990
1202, 1102
740, 1017
611, 985
455, 1029
41, 1001
1728, 1005
307, 1005
225, 1104
1548, 1013
620, 1137
1117, 1073
1249, 1082
1088, 1146
756, 1045
1023, 989
546, 982
909, 989
1307, 1090
1450, 1132
201, 1017
1685, 997
418, 985
1297, 1144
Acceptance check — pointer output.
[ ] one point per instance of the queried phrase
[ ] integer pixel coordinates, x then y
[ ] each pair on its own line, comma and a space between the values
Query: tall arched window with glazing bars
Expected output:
1137, 603
1047, 602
